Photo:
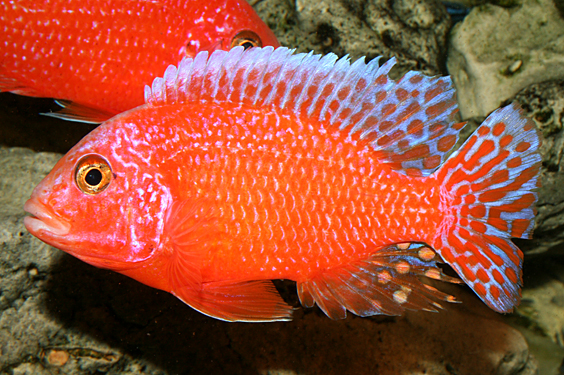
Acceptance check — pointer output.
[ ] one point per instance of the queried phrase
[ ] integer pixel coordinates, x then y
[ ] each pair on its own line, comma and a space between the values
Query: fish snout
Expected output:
43, 220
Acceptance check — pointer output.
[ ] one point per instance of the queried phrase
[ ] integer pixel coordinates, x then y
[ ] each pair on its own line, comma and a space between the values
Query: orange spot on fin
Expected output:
385, 283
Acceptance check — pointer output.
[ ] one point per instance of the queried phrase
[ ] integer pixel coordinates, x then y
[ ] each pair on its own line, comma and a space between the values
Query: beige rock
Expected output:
497, 51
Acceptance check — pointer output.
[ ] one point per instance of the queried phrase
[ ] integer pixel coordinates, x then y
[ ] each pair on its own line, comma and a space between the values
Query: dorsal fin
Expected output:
410, 122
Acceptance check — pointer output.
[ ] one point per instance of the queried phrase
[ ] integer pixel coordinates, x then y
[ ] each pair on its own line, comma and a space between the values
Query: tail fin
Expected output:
487, 196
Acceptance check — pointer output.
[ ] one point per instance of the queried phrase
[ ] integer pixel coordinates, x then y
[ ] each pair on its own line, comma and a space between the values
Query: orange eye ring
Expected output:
93, 174
247, 39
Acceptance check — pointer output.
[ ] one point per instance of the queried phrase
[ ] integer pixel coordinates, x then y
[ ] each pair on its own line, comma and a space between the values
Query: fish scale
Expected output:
258, 171
271, 165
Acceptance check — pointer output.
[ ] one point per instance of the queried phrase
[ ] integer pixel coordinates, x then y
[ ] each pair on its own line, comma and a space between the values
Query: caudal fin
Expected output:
488, 195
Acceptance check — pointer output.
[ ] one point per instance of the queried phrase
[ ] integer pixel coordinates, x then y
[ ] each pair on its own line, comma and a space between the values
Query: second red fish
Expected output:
98, 54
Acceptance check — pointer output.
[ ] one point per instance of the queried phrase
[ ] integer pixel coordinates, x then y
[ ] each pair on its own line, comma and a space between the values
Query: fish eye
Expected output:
247, 39
92, 174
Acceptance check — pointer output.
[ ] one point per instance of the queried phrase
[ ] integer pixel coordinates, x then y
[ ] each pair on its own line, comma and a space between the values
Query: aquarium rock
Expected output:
544, 103
414, 31
497, 51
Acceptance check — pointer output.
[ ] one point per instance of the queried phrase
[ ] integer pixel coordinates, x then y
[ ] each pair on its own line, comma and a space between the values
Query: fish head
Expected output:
227, 24
102, 203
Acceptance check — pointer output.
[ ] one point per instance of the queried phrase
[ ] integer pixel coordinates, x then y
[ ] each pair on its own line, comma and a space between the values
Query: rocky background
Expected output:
61, 316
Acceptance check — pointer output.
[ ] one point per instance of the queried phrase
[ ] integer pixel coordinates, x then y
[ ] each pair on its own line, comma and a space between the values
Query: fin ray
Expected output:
76, 112
242, 301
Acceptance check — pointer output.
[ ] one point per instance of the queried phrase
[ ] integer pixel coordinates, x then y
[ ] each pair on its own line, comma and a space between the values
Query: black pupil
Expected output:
247, 45
93, 177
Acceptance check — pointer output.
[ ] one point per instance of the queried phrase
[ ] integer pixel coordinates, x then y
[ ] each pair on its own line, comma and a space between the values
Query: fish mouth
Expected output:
56, 231
43, 220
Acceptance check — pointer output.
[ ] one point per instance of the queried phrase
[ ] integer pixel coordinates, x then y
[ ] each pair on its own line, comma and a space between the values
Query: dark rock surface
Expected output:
544, 103
414, 31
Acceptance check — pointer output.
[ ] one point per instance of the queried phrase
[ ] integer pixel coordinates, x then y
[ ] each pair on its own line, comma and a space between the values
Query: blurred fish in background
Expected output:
96, 55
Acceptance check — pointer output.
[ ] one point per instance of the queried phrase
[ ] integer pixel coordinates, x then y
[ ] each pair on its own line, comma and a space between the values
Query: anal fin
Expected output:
387, 283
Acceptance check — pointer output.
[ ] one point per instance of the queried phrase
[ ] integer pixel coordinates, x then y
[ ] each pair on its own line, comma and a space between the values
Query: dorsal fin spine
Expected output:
260, 79
213, 69
225, 78
369, 98
310, 76
197, 76
235, 94
273, 59
157, 92
327, 63
338, 70
296, 78
183, 78
352, 76
170, 82
383, 71
363, 97
334, 71
279, 85
310, 65
261, 68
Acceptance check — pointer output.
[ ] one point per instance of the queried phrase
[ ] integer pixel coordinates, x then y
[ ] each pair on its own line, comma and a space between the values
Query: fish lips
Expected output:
56, 231
43, 223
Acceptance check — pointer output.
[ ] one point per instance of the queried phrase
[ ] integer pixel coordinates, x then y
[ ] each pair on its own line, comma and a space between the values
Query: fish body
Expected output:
98, 54
261, 164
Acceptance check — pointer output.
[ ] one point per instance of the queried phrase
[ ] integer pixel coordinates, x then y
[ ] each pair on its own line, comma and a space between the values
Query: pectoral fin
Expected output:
192, 231
240, 301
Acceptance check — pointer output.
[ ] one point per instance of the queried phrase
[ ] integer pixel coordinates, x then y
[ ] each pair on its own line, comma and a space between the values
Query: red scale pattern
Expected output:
294, 200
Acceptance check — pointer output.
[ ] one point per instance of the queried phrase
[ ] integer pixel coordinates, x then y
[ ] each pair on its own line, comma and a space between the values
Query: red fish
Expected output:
264, 164
98, 54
